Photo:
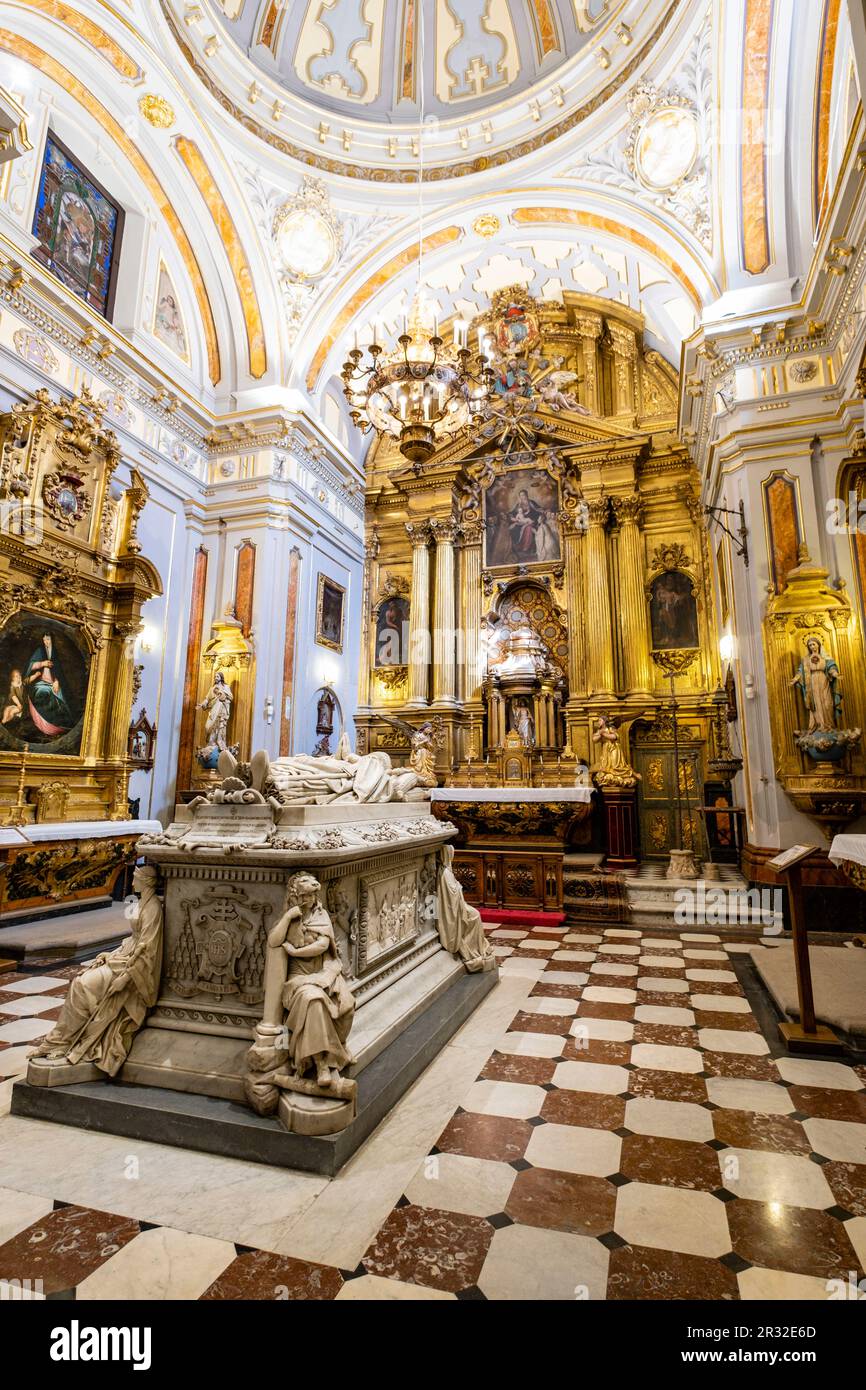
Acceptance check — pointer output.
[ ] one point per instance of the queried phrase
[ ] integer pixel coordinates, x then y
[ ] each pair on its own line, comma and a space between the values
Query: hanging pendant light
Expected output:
422, 391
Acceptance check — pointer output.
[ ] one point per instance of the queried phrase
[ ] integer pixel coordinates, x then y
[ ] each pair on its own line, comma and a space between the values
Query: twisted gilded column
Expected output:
632, 605
596, 603
444, 659
419, 615
470, 533
371, 554
589, 327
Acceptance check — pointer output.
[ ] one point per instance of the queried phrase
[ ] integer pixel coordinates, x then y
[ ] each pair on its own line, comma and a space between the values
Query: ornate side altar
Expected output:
511, 842
313, 954
72, 584
519, 579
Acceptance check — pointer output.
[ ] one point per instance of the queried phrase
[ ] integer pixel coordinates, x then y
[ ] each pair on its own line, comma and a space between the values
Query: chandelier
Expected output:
422, 392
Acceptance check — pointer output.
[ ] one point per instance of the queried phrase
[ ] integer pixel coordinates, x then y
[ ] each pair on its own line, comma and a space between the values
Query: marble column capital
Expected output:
597, 511
628, 510
418, 532
443, 530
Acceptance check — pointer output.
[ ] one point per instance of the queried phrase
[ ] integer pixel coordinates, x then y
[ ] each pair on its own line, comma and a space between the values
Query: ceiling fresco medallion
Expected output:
664, 143
307, 234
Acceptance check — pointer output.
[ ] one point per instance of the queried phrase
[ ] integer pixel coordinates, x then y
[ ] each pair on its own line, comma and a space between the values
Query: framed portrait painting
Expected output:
392, 633
44, 674
673, 612
79, 227
521, 519
330, 613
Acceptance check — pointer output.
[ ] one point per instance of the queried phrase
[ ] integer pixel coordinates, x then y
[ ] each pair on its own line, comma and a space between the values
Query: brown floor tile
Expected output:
663, 999
637, 1272
540, 1023
670, 1162
261, 1275
742, 1065
715, 986
553, 991
737, 1023
439, 1249
848, 1185
667, 1085
583, 1108
829, 1104
740, 1129
485, 1136
590, 1008
562, 1201
795, 1239
65, 1246
532, 1071
597, 1050
665, 1033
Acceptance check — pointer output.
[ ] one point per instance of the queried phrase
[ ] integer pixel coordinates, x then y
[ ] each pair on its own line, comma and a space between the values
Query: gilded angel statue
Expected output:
423, 742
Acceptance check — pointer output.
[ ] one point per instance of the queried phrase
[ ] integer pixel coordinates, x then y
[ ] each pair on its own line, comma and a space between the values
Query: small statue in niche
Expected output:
308, 1007
819, 683
107, 1002
612, 768
522, 722
218, 703
325, 706
581, 775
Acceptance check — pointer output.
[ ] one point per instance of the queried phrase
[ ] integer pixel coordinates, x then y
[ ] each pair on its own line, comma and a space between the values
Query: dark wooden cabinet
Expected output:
530, 880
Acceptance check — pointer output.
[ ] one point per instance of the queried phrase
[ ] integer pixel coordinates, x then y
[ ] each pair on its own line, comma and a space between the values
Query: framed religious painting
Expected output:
392, 633
521, 519
44, 676
79, 227
673, 612
330, 613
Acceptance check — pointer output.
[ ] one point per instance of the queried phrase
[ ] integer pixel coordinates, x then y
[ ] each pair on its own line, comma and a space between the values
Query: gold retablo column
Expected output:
597, 601
471, 610
573, 529
632, 608
444, 660
589, 327
419, 615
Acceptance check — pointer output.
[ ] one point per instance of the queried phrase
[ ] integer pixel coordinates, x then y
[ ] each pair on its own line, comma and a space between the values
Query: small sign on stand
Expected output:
807, 1035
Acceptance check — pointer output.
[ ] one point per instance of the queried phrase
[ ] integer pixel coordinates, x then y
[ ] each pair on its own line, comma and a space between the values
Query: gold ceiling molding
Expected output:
397, 263
91, 33
577, 218
29, 53
192, 157
435, 172
753, 135
826, 63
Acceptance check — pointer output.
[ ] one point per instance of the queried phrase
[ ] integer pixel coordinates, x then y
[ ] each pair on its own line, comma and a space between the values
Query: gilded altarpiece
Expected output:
72, 584
527, 551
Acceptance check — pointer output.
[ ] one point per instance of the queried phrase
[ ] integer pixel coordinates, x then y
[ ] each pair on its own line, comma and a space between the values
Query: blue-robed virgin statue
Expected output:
46, 691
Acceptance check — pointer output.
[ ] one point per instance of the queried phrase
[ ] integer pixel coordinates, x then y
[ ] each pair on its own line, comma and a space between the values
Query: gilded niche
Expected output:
72, 583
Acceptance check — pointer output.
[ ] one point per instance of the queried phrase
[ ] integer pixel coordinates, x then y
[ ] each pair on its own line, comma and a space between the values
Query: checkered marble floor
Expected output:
629, 1136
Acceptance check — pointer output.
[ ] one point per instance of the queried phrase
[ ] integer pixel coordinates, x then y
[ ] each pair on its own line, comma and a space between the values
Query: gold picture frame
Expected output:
330, 613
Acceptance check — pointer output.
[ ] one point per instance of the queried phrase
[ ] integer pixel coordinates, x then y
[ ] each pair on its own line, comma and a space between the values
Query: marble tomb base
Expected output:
224, 871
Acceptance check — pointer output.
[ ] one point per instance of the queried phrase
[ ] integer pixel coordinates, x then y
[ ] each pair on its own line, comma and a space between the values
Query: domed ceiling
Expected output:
375, 58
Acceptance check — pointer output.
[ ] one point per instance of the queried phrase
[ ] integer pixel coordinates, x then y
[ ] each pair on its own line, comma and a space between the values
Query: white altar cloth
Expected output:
511, 794
87, 829
848, 847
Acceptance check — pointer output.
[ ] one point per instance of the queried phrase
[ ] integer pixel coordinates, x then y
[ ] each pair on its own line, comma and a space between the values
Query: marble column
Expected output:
637, 677
470, 532
419, 615
589, 327
444, 659
596, 605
